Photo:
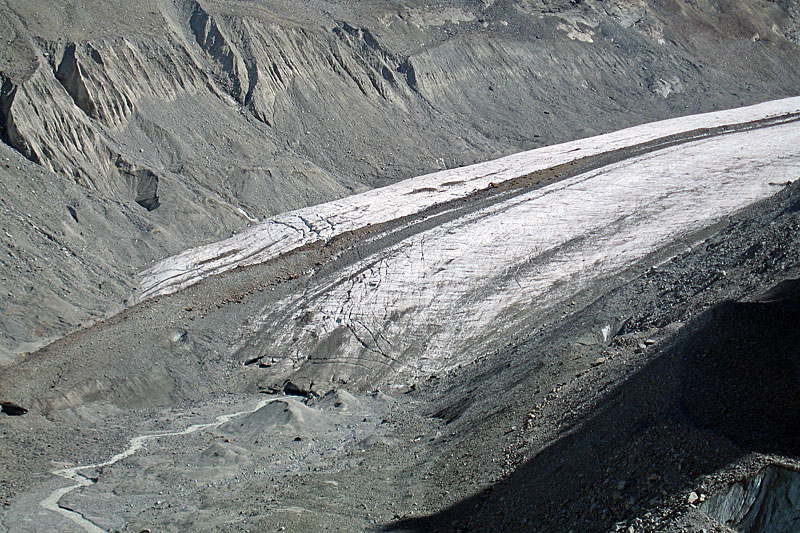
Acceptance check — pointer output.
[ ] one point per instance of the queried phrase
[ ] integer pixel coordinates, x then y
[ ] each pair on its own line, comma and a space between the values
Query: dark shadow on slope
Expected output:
142, 181
728, 384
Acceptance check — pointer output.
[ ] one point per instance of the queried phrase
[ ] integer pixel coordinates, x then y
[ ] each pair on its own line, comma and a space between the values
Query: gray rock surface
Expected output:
765, 502
158, 125
525, 434
134, 130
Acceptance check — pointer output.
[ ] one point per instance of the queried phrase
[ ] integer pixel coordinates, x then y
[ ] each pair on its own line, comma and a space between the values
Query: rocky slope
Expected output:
596, 335
158, 125
609, 346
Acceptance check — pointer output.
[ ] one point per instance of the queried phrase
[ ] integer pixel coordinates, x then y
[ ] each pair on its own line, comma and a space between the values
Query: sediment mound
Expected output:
339, 400
223, 454
284, 415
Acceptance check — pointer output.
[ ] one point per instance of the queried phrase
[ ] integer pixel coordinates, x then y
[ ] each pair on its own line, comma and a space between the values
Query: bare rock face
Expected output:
764, 502
163, 124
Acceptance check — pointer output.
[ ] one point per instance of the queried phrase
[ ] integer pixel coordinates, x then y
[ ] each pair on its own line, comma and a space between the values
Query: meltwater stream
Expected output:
51, 503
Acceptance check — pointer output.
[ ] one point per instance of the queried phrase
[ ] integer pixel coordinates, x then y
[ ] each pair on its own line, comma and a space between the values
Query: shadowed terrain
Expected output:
727, 386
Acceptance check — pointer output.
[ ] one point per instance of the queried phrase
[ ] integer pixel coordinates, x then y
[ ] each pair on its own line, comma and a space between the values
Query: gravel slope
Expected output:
550, 425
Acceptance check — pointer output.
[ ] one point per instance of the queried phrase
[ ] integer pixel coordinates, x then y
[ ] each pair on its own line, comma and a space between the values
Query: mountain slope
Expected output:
535, 341
194, 119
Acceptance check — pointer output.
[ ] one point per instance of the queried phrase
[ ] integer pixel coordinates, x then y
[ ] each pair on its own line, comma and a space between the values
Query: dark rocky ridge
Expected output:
159, 125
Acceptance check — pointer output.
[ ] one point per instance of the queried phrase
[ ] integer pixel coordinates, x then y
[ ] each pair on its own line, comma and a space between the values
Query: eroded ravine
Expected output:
477, 275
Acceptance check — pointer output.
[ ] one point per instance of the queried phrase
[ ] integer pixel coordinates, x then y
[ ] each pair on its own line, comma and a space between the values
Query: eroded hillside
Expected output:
134, 131
262, 289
